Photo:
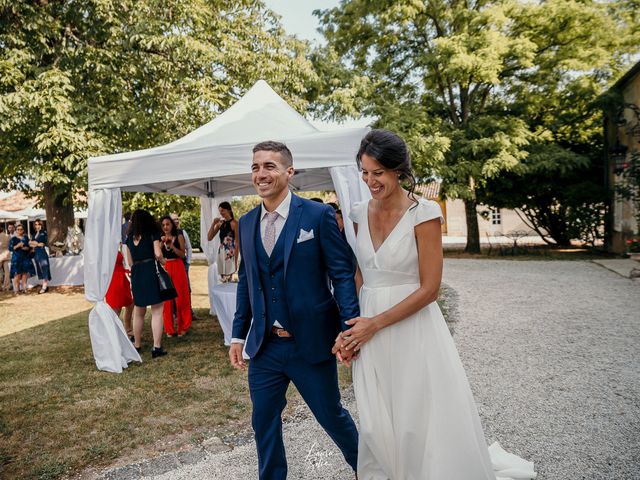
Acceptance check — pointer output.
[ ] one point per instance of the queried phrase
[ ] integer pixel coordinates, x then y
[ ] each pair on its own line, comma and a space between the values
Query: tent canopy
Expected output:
215, 159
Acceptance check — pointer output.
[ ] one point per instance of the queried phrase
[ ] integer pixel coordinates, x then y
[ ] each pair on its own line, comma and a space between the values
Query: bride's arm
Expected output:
429, 243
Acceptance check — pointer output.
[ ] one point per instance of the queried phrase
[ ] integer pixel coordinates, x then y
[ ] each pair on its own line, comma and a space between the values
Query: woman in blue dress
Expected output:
38, 241
21, 264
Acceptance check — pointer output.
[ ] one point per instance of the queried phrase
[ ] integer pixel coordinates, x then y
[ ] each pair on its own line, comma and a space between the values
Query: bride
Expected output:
418, 419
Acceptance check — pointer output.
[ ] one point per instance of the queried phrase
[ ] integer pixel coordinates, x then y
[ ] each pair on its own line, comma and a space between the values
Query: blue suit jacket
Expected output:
316, 315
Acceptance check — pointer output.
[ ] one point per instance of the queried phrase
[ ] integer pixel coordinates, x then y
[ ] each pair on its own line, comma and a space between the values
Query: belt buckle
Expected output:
282, 333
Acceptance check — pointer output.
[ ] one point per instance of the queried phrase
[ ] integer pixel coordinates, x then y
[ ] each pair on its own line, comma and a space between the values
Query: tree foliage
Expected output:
85, 78
461, 80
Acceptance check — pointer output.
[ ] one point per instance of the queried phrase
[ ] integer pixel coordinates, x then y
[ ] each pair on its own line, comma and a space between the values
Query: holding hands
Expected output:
349, 342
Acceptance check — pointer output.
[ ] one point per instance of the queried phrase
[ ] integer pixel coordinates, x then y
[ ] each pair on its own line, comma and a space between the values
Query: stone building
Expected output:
622, 140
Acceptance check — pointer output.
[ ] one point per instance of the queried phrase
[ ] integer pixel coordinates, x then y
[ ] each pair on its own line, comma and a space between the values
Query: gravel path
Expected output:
551, 351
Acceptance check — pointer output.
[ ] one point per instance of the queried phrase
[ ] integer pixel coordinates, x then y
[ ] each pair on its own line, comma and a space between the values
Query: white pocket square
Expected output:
304, 235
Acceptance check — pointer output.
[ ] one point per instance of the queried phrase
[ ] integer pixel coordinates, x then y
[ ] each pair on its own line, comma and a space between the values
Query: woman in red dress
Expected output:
119, 293
173, 250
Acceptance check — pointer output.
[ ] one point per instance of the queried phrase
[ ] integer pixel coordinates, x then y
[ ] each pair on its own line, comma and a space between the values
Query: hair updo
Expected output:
392, 153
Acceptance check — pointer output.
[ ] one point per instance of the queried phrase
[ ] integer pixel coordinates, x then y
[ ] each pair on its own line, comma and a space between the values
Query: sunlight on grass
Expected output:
60, 414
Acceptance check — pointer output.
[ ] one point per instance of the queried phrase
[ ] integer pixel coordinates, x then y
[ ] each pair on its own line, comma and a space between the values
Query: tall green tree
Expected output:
85, 78
454, 75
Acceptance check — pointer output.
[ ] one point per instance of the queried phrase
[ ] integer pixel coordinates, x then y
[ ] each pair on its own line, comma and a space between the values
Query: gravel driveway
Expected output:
551, 351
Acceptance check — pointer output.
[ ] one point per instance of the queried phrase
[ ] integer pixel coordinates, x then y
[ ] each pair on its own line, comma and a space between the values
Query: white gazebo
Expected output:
212, 162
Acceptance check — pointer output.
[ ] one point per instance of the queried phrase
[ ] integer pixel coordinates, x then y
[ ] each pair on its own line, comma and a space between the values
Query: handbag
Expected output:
167, 290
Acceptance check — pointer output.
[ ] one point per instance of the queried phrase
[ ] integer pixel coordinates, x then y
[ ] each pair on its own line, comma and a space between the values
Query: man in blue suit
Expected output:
286, 316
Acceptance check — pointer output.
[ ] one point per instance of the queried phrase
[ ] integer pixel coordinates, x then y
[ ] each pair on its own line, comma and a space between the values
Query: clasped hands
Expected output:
349, 342
167, 240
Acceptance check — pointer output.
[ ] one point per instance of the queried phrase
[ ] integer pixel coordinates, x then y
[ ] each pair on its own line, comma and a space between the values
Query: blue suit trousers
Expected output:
270, 373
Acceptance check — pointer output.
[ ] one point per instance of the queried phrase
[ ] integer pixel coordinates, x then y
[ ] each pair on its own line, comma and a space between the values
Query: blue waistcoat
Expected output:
271, 271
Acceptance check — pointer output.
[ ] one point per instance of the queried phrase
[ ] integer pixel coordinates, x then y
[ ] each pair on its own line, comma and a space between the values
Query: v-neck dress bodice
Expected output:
396, 260
418, 418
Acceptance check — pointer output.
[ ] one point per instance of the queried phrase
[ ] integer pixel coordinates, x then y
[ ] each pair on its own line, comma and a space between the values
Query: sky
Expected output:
297, 16
298, 19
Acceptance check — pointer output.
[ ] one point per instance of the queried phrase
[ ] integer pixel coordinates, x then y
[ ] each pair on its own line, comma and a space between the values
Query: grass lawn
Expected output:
59, 414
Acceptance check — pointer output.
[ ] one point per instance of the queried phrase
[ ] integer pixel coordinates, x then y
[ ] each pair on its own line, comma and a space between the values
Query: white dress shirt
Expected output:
283, 213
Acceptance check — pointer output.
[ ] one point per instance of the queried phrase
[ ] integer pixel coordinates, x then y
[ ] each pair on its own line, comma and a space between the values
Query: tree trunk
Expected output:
58, 205
473, 231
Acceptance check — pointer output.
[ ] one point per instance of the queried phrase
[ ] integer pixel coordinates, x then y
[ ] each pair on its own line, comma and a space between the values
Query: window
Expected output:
496, 219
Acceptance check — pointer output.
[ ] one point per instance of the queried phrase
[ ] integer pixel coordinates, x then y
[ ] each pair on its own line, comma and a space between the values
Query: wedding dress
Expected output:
418, 419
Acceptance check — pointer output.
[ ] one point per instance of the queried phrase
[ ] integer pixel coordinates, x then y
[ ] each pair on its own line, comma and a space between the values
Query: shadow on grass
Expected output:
60, 414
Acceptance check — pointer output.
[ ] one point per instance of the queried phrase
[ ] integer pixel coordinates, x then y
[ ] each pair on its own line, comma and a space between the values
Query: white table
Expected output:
65, 270
223, 299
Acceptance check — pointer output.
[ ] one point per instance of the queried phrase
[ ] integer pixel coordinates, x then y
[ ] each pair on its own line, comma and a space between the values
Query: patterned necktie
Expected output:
270, 232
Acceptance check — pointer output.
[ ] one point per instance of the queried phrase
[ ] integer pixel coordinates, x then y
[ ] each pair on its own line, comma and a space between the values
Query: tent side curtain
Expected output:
112, 349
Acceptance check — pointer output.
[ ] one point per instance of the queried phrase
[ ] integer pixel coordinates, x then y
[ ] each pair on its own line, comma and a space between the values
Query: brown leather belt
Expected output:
281, 332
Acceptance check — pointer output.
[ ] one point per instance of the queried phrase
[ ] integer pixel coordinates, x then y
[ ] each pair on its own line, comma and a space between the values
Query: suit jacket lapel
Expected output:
253, 222
291, 227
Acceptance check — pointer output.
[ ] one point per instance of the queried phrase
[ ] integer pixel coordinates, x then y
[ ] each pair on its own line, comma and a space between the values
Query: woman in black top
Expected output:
143, 250
227, 227
173, 250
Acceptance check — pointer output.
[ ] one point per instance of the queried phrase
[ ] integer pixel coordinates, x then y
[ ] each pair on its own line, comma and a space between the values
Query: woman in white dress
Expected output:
418, 419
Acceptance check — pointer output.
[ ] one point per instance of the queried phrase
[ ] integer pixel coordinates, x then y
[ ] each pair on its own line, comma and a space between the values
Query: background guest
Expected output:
125, 227
339, 218
11, 229
173, 250
227, 227
21, 264
119, 294
143, 250
188, 256
5, 259
38, 243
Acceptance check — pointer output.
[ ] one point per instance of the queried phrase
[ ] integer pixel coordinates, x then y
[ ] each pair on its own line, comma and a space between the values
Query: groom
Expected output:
290, 249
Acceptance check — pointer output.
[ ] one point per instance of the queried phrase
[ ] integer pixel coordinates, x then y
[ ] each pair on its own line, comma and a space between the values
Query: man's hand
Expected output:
235, 356
342, 354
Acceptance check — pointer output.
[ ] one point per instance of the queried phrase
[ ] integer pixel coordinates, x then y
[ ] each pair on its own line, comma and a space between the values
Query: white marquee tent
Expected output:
212, 162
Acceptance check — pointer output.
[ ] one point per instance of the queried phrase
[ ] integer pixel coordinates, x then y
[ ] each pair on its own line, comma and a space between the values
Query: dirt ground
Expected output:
29, 310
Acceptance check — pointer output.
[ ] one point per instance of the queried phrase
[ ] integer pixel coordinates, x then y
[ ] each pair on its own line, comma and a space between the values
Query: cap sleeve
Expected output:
358, 210
427, 210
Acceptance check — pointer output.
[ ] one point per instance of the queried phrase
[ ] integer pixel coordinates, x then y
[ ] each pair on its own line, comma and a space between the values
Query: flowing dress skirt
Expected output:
418, 419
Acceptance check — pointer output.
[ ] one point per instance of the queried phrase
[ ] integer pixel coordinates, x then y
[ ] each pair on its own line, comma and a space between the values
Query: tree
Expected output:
560, 193
85, 78
459, 71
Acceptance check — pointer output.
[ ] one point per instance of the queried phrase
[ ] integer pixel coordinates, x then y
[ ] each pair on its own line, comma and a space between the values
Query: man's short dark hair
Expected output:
333, 205
281, 148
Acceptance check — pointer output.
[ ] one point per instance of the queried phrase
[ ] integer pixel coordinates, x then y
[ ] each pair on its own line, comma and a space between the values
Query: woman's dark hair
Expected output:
227, 207
142, 224
174, 229
392, 153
